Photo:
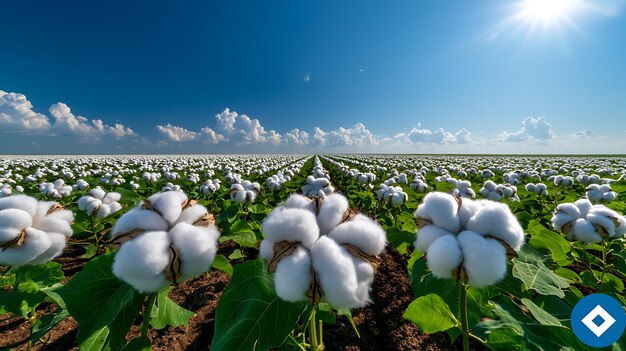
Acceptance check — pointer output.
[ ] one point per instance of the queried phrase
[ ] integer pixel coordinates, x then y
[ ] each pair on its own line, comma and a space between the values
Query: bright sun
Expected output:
547, 10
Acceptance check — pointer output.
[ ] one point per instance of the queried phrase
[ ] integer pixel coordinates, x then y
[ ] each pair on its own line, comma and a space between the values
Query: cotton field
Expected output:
308, 252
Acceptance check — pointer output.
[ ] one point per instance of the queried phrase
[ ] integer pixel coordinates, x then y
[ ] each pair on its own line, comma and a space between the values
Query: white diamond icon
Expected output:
604, 326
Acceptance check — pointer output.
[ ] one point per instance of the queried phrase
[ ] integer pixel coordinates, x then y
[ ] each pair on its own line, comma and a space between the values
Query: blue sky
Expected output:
442, 76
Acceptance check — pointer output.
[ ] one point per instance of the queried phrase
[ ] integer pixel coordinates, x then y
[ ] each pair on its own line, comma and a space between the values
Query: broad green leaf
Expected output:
102, 304
236, 255
550, 337
249, 315
539, 278
540, 315
43, 275
431, 314
397, 238
552, 242
139, 343
220, 262
45, 323
165, 312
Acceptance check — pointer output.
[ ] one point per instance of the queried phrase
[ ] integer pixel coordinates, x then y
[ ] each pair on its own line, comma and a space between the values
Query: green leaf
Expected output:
249, 315
45, 323
140, 343
540, 315
397, 238
241, 233
90, 251
43, 275
236, 255
431, 314
103, 305
220, 262
165, 312
536, 276
552, 242
550, 337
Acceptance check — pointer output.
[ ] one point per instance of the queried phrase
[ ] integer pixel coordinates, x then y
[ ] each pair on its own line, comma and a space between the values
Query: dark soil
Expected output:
380, 324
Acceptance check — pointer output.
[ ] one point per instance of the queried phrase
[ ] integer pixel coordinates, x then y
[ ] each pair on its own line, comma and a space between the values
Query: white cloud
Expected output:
533, 129
66, 121
16, 113
585, 134
296, 137
175, 133
210, 136
357, 136
439, 136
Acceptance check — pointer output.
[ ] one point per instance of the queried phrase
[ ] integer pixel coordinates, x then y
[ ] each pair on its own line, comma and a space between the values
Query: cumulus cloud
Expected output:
175, 133
296, 137
439, 136
356, 136
16, 113
532, 129
210, 136
585, 134
67, 122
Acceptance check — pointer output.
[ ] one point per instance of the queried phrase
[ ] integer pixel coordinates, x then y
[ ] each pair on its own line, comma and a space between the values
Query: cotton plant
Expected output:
99, 203
365, 178
32, 232
5, 190
462, 188
81, 185
539, 189
56, 190
392, 194
275, 182
562, 181
498, 192
245, 192
600, 193
584, 221
170, 187
419, 185
210, 186
164, 240
317, 187
321, 251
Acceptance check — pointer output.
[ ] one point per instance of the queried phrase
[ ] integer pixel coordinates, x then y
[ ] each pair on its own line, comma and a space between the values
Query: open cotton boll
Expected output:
584, 230
484, 259
469, 208
570, 209
299, 201
115, 206
292, 225
196, 246
583, 206
21, 202
58, 242
292, 277
497, 220
443, 256
363, 233
98, 193
139, 218
93, 206
336, 274
331, 212
427, 235
12, 222
141, 261
103, 211
266, 249
441, 209
65, 215
111, 197
168, 205
35, 243
54, 225
192, 214
84, 201
365, 277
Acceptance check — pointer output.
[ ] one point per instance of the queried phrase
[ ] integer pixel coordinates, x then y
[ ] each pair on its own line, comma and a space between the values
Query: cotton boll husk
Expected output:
336, 274
138, 218
98, 193
22, 202
192, 214
484, 259
361, 232
293, 277
36, 243
58, 244
103, 211
443, 256
196, 246
584, 230
140, 262
54, 225
331, 212
12, 222
441, 209
427, 235
292, 225
42, 209
497, 220
299, 201
168, 204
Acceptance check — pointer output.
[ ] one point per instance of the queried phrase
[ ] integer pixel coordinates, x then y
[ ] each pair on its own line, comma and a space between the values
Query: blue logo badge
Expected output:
598, 320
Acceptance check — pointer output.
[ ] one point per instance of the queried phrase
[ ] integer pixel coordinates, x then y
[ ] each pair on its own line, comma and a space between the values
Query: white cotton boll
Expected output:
469, 208
365, 277
65, 215
36, 243
603, 221
594, 195
441, 209
331, 212
103, 211
293, 277
168, 204
490, 185
192, 214
320, 193
58, 242
266, 249
560, 219
584, 230
141, 261
93, 206
299, 201
336, 274
12, 222
292, 225
98, 193
570, 209
362, 232
484, 260
138, 218
240, 197
196, 247
399, 198
54, 225
443, 256
115, 206
328, 190
84, 201
111, 197
609, 196
251, 195
583, 206
427, 235
530, 187
497, 220
22, 202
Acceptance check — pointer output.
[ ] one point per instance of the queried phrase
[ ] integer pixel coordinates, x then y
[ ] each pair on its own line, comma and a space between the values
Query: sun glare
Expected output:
547, 10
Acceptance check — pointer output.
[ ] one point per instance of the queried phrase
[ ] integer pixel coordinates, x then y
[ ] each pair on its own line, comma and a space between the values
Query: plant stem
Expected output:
313, 330
146, 314
604, 254
464, 322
